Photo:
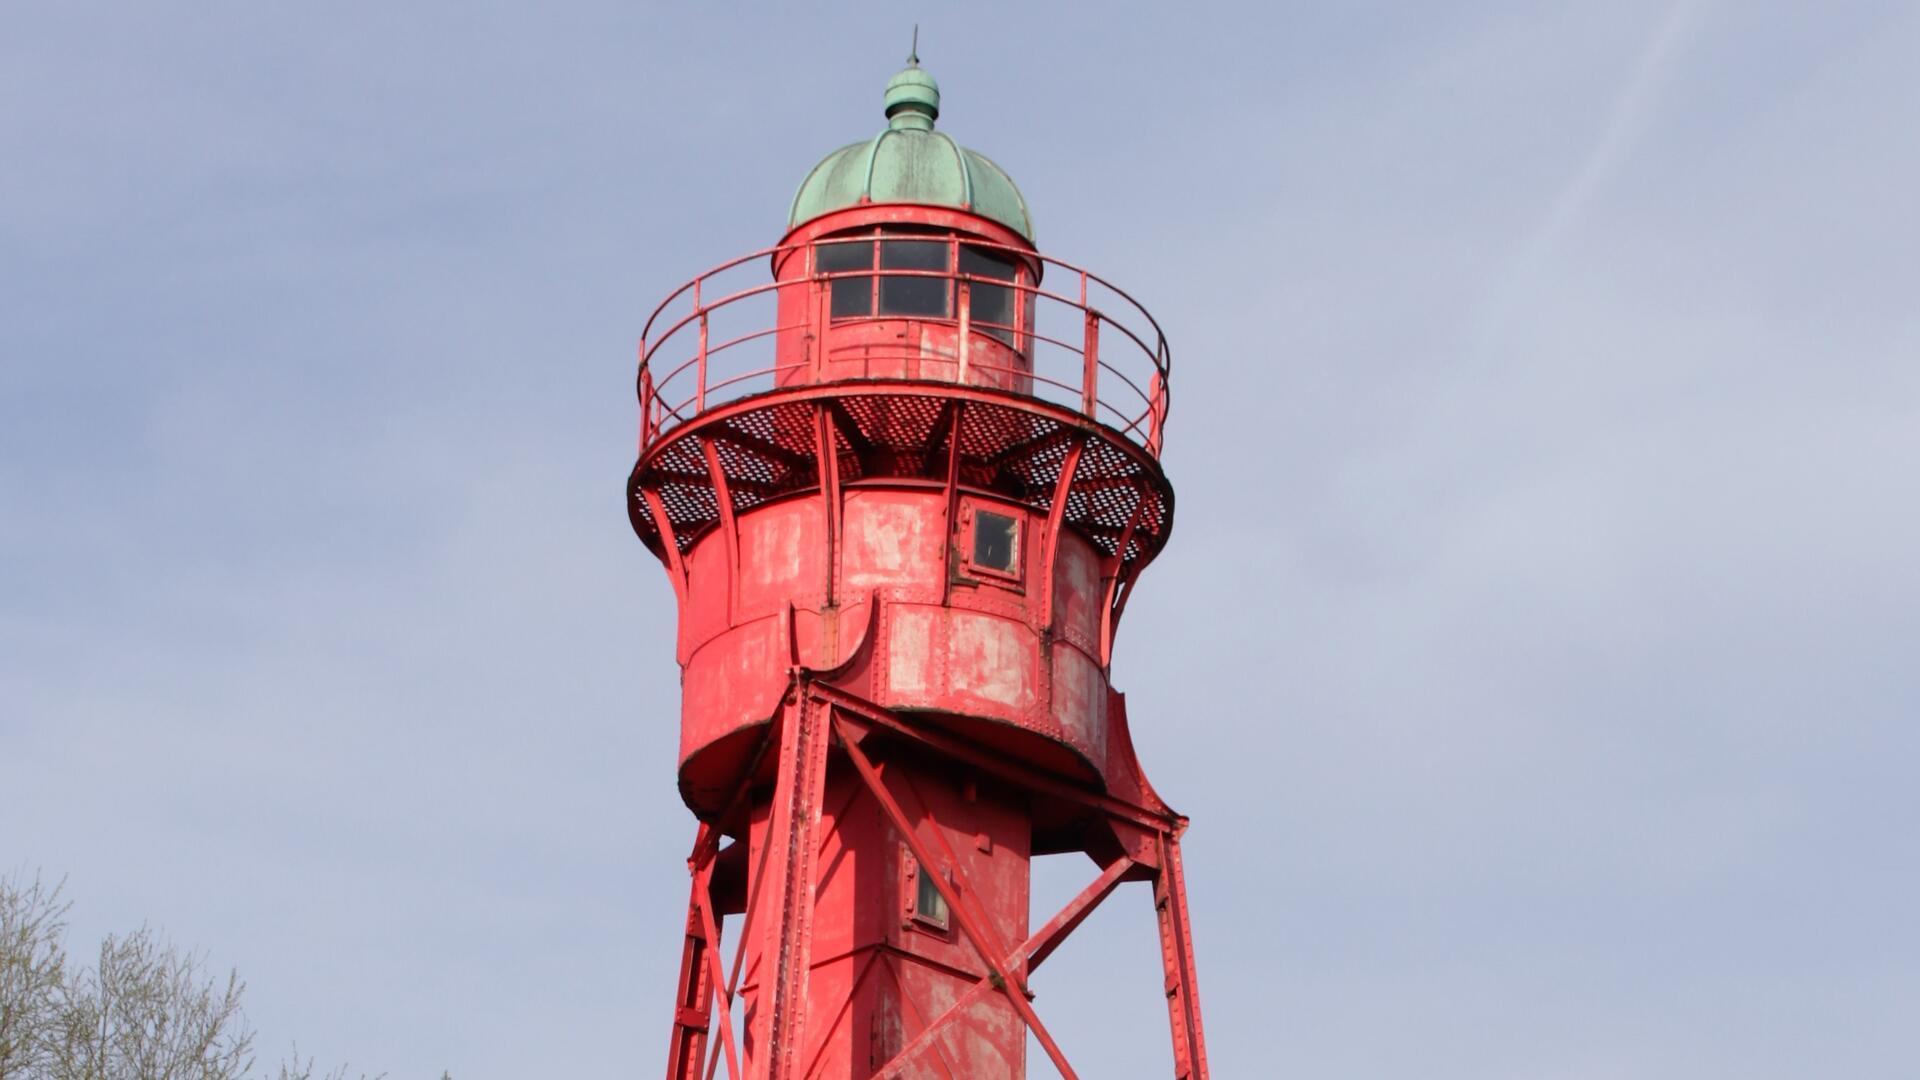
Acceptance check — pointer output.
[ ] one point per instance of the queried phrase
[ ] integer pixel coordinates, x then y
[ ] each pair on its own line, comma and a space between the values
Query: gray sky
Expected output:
1535, 652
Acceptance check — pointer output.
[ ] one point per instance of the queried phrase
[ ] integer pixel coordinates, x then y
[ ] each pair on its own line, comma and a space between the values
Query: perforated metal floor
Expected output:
769, 446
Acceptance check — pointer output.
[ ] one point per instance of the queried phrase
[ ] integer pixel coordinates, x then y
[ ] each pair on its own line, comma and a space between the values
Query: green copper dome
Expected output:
910, 162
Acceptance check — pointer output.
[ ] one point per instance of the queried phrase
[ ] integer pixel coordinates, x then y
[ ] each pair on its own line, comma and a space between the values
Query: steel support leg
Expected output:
1176, 954
693, 998
792, 838
710, 924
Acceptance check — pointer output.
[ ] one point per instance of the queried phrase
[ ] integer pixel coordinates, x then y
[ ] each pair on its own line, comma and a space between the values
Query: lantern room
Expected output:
908, 256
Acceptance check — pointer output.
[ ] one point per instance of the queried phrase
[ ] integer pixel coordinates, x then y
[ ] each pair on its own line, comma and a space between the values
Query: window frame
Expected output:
909, 277
1009, 332
968, 541
916, 915
958, 245
869, 272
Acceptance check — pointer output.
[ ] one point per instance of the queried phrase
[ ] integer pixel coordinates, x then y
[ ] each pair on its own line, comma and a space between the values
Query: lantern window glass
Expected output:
852, 295
902, 294
991, 305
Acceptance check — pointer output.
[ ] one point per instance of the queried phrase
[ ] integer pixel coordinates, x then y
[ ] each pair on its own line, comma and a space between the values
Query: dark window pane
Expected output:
993, 541
986, 264
992, 304
852, 296
928, 904
835, 255
913, 295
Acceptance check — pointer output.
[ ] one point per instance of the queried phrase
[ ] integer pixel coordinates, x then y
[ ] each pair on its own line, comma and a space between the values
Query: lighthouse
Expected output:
903, 472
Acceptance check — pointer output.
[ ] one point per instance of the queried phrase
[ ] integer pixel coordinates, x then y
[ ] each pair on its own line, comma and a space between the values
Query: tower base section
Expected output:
875, 873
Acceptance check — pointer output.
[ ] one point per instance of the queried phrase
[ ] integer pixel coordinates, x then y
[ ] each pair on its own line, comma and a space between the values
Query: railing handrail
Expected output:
1135, 326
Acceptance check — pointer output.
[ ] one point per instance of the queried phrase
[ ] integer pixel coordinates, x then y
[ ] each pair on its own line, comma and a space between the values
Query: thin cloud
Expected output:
1627, 121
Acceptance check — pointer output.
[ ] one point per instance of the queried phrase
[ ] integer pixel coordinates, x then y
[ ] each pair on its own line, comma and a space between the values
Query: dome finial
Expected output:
913, 98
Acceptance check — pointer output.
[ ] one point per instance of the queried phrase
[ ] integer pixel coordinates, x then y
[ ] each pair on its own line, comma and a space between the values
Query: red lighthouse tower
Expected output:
903, 472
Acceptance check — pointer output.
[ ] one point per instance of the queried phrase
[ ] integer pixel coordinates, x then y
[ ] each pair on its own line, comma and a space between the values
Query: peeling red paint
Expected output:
881, 709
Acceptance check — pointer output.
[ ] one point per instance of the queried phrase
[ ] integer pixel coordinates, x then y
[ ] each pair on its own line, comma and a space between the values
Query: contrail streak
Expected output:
1626, 122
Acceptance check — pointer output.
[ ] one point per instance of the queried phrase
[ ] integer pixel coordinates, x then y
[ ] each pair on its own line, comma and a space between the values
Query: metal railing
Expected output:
1093, 350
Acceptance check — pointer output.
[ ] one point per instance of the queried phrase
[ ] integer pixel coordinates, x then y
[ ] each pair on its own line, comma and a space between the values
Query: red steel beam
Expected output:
1176, 953
796, 802
1027, 957
703, 892
861, 713
693, 1000
1014, 989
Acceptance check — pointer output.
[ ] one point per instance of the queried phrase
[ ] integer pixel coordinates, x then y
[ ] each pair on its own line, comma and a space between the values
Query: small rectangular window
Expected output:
992, 305
900, 295
928, 905
995, 541
852, 296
